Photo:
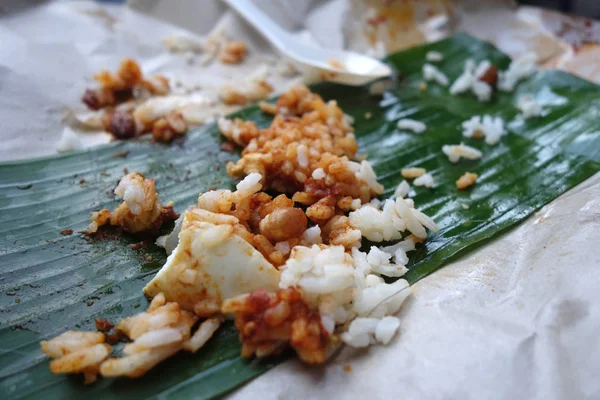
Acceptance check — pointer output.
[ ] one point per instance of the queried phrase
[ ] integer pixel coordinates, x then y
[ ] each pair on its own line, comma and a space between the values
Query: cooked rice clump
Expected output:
529, 107
466, 180
126, 83
274, 225
267, 322
157, 334
141, 211
457, 151
77, 352
479, 79
307, 151
120, 95
432, 73
336, 282
489, 127
289, 277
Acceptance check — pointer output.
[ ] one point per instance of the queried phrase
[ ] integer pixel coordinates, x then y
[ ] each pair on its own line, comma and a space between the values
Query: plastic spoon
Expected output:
356, 69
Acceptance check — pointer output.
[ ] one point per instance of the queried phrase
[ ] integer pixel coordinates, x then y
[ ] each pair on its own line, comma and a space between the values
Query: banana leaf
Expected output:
51, 282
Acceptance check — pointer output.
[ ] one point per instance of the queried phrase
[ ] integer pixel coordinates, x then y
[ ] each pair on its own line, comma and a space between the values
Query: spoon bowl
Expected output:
338, 66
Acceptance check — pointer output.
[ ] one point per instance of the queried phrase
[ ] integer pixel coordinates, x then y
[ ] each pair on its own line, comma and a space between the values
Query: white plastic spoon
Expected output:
357, 69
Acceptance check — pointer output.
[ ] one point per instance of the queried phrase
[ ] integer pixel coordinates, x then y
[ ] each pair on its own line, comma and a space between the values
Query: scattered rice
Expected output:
432, 73
482, 90
529, 107
69, 141
464, 82
467, 180
413, 172
424, 180
388, 223
402, 190
141, 211
412, 125
473, 79
183, 43
77, 352
434, 56
492, 128
234, 52
519, 69
456, 152
329, 144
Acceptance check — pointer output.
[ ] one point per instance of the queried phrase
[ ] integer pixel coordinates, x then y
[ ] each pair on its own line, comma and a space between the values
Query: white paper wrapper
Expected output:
516, 319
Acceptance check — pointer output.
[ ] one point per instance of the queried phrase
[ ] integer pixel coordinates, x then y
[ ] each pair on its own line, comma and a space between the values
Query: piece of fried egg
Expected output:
210, 264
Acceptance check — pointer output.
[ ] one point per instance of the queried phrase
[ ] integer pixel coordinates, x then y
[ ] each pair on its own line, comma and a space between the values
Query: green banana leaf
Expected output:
51, 282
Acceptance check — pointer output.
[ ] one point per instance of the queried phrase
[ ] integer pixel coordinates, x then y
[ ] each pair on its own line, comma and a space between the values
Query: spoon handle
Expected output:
261, 22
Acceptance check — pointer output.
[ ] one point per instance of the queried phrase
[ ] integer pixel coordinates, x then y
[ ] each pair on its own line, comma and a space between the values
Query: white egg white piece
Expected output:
210, 264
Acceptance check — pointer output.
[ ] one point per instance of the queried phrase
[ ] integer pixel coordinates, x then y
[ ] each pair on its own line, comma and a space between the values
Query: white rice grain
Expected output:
432, 73
283, 247
250, 184
151, 339
402, 190
492, 128
519, 69
311, 236
424, 180
386, 329
69, 141
319, 173
434, 56
367, 175
482, 91
205, 331
529, 107
411, 125
456, 152
302, 156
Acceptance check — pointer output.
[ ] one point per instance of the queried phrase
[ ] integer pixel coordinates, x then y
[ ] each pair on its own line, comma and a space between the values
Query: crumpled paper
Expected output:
515, 319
